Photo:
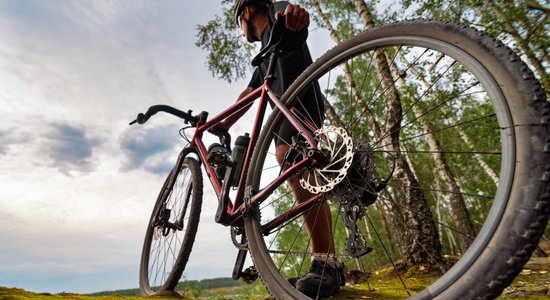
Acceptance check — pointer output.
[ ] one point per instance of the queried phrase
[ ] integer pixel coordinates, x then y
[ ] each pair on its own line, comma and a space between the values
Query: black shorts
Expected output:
311, 111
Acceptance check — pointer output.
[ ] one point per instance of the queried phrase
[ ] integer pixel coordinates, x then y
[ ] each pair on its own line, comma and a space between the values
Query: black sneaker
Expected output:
323, 279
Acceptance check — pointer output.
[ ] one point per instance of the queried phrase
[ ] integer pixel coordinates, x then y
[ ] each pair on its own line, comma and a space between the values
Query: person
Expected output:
256, 18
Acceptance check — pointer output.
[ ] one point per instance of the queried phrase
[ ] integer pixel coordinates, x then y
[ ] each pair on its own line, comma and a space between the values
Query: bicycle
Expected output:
457, 105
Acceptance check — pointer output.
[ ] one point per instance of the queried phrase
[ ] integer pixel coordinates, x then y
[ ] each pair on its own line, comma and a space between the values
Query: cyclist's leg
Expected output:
325, 275
318, 219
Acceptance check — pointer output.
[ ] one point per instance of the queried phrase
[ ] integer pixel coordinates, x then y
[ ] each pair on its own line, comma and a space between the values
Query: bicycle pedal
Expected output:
249, 275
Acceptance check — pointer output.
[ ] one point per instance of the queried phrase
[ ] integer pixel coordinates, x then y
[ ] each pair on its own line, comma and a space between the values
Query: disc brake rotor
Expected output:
339, 145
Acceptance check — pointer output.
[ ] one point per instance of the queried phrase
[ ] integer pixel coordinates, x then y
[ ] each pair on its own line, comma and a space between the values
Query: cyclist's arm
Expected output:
224, 125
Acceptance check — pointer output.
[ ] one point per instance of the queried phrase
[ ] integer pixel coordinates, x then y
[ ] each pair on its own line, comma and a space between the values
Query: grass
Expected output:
19, 294
254, 291
532, 283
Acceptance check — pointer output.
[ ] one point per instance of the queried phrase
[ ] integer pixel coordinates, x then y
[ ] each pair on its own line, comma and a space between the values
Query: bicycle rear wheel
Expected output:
459, 124
172, 228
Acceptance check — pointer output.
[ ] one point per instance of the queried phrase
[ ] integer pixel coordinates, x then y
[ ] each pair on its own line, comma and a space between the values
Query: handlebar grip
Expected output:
141, 119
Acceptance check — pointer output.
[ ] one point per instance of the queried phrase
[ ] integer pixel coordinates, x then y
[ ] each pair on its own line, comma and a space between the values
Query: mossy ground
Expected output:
532, 283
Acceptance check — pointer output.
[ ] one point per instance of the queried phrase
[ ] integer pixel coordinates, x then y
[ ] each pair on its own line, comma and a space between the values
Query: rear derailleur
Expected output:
350, 213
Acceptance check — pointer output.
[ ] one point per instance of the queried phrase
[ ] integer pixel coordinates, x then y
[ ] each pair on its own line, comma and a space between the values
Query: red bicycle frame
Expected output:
238, 205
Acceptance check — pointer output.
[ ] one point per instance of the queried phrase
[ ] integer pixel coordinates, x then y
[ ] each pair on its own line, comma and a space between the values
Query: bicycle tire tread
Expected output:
539, 111
531, 114
167, 288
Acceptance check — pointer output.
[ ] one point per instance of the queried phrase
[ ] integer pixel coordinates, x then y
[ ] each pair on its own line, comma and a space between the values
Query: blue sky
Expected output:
77, 183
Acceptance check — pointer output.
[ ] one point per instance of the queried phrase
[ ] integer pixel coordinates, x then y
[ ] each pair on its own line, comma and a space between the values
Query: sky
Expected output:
77, 183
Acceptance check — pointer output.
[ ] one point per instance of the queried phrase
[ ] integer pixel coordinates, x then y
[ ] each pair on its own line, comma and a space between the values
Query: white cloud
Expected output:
152, 148
77, 183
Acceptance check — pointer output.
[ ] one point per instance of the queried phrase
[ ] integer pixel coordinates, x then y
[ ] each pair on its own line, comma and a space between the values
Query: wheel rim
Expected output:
166, 234
501, 119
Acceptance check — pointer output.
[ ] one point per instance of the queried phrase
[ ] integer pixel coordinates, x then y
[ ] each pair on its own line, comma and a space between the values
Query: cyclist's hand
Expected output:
219, 129
297, 18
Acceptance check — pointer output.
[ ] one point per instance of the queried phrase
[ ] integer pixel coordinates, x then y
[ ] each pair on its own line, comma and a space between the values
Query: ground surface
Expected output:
532, 283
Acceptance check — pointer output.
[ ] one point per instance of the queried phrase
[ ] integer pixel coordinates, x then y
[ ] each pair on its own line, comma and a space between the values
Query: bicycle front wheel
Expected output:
172, 228
460, 126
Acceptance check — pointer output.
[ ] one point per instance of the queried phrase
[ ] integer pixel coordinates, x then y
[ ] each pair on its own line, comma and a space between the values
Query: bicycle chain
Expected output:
316, 254
235, 232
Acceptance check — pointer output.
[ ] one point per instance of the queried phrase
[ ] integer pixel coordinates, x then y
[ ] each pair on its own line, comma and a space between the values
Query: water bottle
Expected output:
237, 155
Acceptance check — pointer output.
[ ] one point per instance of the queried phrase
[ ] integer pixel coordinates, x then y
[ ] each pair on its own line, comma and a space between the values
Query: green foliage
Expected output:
228, 52
20, 294
209, 283
291, 237
522, 25
193, 287
229, 55
125, 292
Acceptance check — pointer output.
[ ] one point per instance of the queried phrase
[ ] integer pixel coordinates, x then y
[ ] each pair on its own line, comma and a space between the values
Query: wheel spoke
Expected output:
180, 198
429, 174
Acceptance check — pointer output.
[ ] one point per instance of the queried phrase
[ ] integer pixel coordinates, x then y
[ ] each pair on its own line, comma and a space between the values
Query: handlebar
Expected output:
281, 39
225, 137
275, 38
193, 120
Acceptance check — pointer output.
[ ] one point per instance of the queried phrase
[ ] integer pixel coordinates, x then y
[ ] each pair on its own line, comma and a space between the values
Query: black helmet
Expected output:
239, 6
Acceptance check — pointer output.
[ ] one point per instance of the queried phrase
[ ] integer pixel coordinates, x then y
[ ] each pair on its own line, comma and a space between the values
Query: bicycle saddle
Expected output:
280, 40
